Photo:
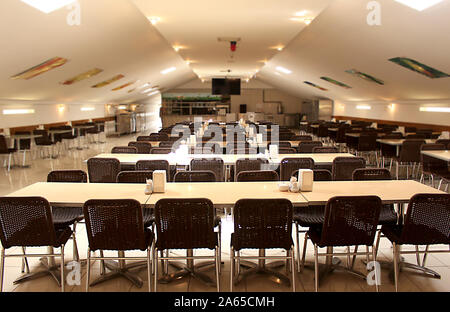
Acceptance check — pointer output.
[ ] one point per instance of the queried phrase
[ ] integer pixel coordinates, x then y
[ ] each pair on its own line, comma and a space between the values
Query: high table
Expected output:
81, 127
75, 195
398, 143
20, 137
442, 155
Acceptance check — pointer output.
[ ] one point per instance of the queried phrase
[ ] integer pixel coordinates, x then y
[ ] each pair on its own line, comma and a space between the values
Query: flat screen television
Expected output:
225, 86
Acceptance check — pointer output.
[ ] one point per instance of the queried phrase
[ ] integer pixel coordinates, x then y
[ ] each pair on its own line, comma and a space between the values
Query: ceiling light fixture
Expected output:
122, 107
419, 5
284, 70
435, 109
144, 86
153, 93
87, 109
301, 13
48, 6
363, 107
154, 19
18, 111
168, 70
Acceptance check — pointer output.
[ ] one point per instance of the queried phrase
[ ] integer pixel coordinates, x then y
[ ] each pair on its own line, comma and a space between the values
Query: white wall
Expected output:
396, 111
47, 113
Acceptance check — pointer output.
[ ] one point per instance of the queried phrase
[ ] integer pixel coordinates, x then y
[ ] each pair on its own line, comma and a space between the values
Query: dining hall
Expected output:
225, 146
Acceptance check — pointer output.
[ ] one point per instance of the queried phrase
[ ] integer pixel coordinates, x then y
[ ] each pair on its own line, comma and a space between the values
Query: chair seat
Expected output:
387, 215
62, 235
310, 216
177, 245
393, 233
63, 217
315, 234
239, 244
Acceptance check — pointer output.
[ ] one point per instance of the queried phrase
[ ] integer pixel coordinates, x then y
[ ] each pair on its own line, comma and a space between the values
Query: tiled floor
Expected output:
18, 178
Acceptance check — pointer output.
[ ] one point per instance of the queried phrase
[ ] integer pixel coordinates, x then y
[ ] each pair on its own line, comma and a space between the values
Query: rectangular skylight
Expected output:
284, 70
47, 6
419, 5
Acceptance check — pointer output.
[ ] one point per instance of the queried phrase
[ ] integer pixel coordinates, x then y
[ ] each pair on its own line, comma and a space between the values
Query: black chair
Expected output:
427, 222
409, 154
27, 222
289, 165
5, 150
215, 165
124, 150
103, 170
343, 167
349, 221
43, 142
432, 166
257, 175
142, 147
117, 225
160, 150
68, 216
187, 224
134, 177
250, 164
306, 147
262, 224
195, 176
152, 165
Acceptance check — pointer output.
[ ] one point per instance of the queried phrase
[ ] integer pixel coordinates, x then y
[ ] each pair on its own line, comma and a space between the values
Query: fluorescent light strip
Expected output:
153, 93
168, 70
48, 6
18, 111
284, 70
122, 107
435, 109
87, 109
363, 107
419, 5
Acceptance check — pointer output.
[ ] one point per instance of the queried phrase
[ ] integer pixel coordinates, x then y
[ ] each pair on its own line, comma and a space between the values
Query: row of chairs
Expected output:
258, 224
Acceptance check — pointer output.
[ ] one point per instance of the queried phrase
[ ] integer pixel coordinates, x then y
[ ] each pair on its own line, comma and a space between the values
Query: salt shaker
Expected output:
149, 187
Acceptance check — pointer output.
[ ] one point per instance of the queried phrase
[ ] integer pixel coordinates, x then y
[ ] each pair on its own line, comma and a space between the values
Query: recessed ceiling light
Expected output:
280, 48
153, 93
144, 86
301, 13
419, 5
363, 107
87, 109
48, 6
18, 111
283, 70
154, 19
168, 70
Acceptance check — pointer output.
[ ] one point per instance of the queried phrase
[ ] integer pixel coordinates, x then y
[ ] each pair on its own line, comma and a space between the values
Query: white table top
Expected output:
24, 136
443, 155
226, 193
229, 159
76, 194
398, 142
395, 191
222, 144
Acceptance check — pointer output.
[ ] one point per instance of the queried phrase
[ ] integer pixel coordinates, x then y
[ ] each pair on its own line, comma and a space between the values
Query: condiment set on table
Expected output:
158, 184
303, 184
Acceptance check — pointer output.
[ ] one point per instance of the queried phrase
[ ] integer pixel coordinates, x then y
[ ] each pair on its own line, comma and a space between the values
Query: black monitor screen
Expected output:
221, 86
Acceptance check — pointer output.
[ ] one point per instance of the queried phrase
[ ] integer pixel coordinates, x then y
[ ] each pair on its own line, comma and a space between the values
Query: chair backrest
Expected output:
114, 224
140, 176
152, 165
307, 147
262, 223
103, 170
280, 144
445, 142
322, 175
416, 136
257, 175
289, 165
142, 147
410, 151
325, 149
364, 174
70, 176
247, 164
350, 220
367, 142
301, 138
124, 150
427, 220
145, 138
244, 151
3, 144
207, 148
283, 150
215, 165
166, 144
185, 223
160, 150
195, 176
25, 144
343, 167
26, 221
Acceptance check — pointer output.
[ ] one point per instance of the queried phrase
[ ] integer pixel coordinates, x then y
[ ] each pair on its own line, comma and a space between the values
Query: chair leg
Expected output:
25, 262
294, 287
149, 269
63, 282
417, 255
88, 269
155, 265
9, 162
425, 256
2, 268
76, 256
354, 256
218, 264
374, 257
232, 267
396, 268
378, 242
304, 251
316, 269
297, 237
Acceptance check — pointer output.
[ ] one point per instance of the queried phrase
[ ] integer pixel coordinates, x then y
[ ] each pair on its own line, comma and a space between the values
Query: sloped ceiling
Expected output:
113, 35
340, 39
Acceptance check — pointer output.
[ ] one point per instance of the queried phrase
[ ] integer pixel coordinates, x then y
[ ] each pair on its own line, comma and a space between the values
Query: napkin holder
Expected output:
305, 180
273, 150
259, 138
159, 181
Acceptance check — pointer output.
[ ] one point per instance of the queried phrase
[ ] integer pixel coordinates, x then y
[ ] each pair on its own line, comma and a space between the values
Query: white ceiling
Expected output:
113, 36
196, 26
340, 39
